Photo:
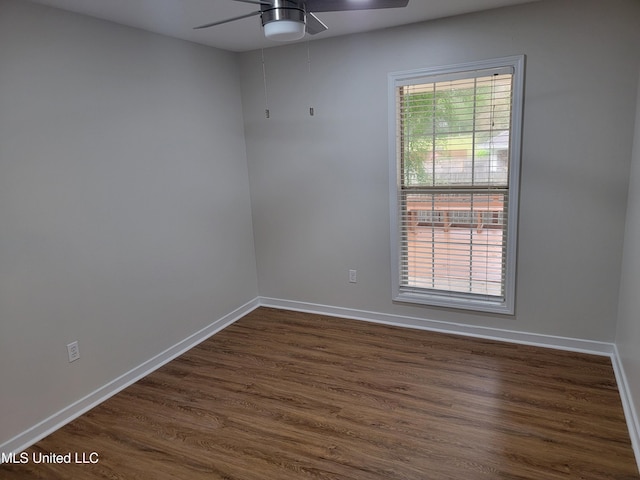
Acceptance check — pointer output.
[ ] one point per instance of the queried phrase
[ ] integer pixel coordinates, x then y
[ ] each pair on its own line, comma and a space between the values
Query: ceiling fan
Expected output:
289, 20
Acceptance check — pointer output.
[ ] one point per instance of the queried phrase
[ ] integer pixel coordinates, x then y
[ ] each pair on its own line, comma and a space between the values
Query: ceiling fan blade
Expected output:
207, 25
314, 24
256, 2
342, 5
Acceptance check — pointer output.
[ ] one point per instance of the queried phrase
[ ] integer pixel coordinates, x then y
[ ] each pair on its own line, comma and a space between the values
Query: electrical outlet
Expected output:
353, 276
74, 351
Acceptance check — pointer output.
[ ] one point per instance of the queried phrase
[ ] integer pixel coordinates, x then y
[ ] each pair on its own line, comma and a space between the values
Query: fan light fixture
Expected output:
284, 30
283, 24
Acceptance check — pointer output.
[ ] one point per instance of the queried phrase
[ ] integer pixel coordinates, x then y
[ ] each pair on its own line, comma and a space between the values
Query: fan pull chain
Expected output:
264, 77
311, 111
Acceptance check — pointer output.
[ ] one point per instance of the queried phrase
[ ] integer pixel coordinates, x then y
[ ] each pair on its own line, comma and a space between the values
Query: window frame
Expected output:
443, 298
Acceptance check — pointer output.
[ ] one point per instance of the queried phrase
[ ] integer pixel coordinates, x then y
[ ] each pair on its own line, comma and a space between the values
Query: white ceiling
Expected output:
176, 18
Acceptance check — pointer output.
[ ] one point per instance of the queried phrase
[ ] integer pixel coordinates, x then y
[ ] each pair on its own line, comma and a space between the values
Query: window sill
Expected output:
464, 302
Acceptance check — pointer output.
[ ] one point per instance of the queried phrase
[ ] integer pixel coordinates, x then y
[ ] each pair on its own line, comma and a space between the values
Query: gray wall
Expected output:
628, 335
125, 218
319, 184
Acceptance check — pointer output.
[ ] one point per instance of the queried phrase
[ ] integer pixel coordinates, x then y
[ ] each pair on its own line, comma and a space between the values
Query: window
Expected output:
455, 155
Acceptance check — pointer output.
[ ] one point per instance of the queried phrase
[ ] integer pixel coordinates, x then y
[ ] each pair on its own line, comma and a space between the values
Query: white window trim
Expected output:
447, 299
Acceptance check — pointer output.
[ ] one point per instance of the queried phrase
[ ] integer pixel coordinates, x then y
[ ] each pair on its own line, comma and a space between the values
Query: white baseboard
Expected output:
535, 339
73, 411
630, 413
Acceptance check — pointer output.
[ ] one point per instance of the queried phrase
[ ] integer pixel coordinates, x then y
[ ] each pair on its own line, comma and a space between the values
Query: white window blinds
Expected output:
455, 136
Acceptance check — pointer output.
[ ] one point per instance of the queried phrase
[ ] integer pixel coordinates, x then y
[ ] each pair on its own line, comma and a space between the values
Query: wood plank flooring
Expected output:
282, 395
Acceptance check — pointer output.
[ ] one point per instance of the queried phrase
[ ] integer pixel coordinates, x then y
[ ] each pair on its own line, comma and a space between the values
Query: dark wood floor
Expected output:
282, 395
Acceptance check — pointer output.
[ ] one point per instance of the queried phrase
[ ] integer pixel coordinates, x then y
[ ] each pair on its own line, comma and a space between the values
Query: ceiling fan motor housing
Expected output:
282, 10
